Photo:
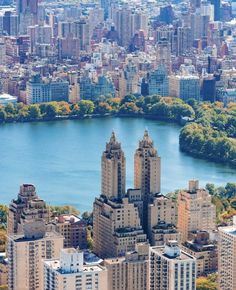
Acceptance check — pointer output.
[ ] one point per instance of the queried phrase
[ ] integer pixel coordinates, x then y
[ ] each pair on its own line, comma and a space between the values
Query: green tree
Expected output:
34, 112
51, 110
10, 109
129, 109
3, 115
86, 107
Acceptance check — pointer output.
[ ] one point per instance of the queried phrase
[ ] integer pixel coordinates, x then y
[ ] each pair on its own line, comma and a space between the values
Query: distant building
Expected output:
7, 99
171, 268
185, 87
158, 82
227, 258
72, 273
92, 90
195, 210
131, 271
40, 91
26, 253
208, 90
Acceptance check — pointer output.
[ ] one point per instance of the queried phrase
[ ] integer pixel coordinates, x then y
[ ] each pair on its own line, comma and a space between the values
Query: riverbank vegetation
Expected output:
160, 108
211, 135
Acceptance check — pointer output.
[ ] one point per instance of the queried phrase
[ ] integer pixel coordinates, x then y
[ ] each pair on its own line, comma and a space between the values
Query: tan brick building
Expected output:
131, 271
26, 253
195, 210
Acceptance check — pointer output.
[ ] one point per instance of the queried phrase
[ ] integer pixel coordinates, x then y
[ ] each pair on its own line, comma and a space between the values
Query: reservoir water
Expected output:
63, 158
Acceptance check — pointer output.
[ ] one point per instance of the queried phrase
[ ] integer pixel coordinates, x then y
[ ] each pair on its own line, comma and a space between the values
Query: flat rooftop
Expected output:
56, 266
160, 250
229, 230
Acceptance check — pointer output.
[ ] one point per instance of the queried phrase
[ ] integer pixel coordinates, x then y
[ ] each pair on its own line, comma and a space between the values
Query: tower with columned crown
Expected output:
113, 169
147, 167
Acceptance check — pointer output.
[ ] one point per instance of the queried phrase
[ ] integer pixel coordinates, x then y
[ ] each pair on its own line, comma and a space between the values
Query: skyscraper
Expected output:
147, 167
147, 173
27, 11
113, 169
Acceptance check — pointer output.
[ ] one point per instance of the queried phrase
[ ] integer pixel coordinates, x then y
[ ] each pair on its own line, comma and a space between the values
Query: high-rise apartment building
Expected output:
171, 268
147, 173
26, 252
131, 271
185, 86
27, 206
227, 257
162, 220
158, 82
195, 210
113, 169
147, 167
163, 54
27, 11
116, 226
70, 272
40, 91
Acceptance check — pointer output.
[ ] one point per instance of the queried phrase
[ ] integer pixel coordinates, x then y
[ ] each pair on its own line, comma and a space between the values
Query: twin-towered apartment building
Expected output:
144, 240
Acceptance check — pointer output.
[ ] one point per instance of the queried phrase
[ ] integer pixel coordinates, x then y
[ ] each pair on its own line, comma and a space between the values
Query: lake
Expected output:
63, 159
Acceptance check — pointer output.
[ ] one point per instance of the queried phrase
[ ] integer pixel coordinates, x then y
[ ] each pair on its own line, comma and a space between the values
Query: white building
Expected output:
171, 268
7, 99
227, 257
70, 273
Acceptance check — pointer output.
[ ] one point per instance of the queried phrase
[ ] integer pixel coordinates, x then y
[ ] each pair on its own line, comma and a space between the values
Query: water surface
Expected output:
63, 158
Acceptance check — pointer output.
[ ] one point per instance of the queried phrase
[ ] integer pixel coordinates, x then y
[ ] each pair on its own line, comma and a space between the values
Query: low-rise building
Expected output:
205, 252
73, 229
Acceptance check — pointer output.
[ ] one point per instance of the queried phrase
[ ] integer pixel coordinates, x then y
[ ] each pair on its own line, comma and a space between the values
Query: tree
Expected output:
128, 99
51, 110
34, 112
10, 109
230, 189
75, 110
103, 108
64, 108
129, 109
86, 107
3, 115
211, 188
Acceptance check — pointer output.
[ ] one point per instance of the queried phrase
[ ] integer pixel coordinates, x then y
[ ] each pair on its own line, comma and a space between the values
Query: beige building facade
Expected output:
131, 271
171, 268
26, 207
116, 227
227, 258
195, 210
26, 252
113, 169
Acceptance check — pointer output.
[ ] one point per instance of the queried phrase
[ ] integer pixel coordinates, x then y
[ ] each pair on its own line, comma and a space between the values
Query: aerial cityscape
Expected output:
118, 145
